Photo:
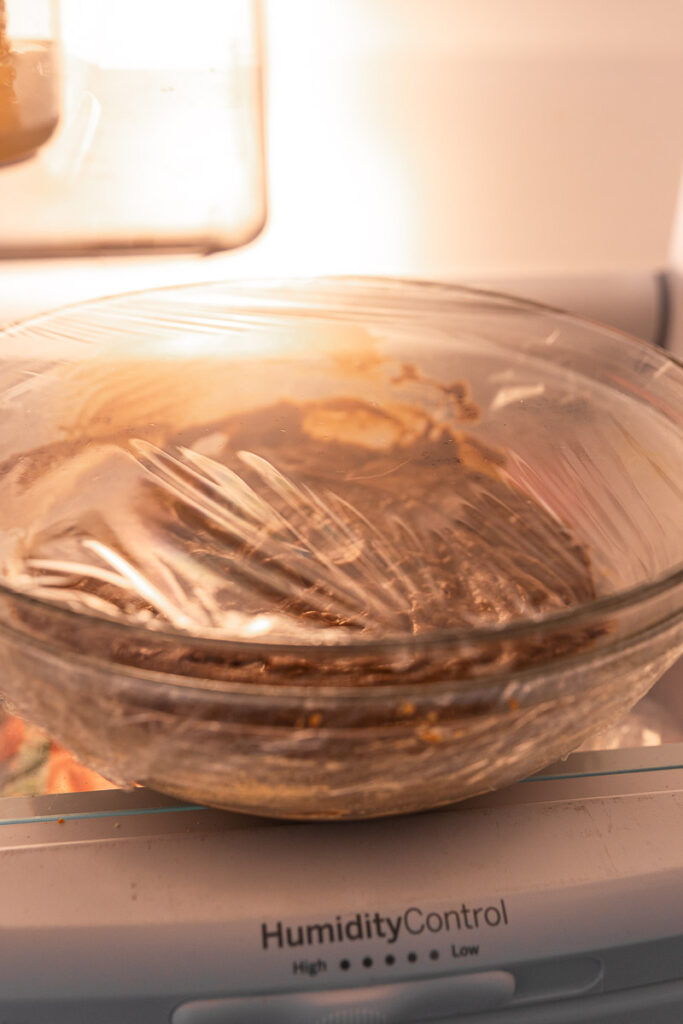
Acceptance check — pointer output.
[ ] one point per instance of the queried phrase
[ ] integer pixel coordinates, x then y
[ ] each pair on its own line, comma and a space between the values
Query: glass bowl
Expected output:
537, 456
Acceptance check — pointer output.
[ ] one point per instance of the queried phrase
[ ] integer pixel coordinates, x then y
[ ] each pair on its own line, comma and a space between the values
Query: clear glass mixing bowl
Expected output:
296, 709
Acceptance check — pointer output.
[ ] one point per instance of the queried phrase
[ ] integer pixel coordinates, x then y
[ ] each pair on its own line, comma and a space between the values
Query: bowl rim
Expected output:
511, 689
577, 616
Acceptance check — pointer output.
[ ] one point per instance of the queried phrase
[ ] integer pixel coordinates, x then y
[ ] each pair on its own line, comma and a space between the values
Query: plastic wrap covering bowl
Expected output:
334, 548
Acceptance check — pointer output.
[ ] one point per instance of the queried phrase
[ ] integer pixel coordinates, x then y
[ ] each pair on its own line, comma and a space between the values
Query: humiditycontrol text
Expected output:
373, 925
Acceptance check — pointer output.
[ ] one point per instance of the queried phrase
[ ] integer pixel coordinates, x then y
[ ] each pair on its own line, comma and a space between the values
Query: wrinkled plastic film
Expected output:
276, 476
